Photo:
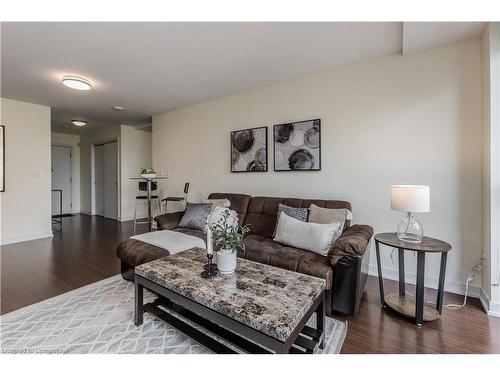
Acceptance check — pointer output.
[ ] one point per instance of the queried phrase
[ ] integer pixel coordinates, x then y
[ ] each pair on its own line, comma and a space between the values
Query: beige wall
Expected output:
490, 46
26, 203
401, 119
86, 141
74, 142
135, 153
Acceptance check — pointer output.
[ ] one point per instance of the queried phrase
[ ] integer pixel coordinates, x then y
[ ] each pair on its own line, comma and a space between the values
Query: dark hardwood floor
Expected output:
84, 252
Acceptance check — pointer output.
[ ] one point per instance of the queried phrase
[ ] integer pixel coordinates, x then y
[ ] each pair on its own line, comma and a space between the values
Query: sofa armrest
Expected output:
169, 221
353, 241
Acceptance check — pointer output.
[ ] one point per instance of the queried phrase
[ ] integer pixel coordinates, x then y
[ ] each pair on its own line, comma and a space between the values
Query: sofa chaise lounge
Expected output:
344, 268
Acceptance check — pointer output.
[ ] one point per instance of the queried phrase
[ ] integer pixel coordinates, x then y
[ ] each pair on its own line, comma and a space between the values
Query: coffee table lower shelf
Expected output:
205, 325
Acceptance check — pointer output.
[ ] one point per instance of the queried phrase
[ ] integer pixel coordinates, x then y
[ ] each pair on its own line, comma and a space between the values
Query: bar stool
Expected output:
142, 198
178, 199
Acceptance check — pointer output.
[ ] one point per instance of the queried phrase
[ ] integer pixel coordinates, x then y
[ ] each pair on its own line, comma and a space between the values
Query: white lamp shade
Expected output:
411, 198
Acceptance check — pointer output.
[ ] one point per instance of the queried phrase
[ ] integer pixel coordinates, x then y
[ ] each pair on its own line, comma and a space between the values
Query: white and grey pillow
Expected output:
296, 212
195, 216
317, 238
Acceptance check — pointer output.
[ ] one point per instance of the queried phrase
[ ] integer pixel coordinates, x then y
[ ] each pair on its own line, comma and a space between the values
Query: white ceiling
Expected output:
150, 68
418, 36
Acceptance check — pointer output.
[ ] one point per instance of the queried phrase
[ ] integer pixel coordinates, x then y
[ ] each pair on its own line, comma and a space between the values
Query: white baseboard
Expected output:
491, 308
26, 237
430, 282
85, 212
494, 309
130, 218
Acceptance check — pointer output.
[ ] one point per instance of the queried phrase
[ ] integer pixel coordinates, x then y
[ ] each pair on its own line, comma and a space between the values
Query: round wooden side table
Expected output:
401, 303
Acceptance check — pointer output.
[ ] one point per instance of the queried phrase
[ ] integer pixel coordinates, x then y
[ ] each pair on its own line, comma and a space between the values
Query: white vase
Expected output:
226, 261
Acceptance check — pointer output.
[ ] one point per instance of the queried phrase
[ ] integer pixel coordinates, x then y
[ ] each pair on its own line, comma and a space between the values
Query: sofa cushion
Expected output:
264, 250
262, 211
259, 248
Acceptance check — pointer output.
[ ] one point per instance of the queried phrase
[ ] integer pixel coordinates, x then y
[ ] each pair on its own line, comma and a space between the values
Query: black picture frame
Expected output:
2, 155
260, 167
315, 124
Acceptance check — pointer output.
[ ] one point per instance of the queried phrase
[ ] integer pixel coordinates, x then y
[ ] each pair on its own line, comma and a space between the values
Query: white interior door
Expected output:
111, 180
61, 179
99, 179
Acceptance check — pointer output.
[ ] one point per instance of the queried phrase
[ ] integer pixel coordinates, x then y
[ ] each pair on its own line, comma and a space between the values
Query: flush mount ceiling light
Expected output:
79, 122
118, 108
77, 83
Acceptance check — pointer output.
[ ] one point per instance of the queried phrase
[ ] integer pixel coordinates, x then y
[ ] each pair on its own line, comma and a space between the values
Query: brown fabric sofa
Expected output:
344, 269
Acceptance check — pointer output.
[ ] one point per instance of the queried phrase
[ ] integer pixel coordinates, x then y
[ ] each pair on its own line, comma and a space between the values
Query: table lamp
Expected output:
410, 199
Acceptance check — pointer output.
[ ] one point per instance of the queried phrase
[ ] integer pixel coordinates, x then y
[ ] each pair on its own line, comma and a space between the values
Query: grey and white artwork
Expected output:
297, 146
249, 150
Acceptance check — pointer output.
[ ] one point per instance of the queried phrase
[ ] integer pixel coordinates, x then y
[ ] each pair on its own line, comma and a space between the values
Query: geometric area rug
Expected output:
98, 318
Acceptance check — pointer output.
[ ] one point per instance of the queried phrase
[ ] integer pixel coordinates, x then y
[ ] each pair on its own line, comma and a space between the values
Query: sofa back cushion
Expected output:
239, 203
262, 212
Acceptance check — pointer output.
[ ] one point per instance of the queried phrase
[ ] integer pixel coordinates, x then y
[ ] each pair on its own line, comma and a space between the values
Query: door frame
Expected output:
92, 175
71, 172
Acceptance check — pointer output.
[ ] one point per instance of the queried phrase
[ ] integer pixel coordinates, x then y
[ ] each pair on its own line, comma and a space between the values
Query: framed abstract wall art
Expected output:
297, 146
249, 150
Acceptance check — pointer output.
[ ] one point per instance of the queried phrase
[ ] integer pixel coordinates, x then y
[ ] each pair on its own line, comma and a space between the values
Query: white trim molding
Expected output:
26, 237
491, 308
494, 309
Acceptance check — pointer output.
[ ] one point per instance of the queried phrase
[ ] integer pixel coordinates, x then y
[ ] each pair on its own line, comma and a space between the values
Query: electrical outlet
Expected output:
479, 265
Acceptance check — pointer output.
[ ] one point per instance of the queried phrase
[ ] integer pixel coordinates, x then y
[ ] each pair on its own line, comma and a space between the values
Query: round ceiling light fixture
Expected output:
77, 83
118, 108
79, 122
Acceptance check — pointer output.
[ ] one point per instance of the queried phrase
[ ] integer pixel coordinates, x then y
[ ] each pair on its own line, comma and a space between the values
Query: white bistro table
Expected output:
148, 192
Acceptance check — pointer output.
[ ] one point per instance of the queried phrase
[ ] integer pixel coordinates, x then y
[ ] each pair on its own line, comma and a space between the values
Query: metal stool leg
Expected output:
135, 215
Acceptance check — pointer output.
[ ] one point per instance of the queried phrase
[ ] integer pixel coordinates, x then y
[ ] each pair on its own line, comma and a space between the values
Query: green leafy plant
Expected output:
227, 234
147, 171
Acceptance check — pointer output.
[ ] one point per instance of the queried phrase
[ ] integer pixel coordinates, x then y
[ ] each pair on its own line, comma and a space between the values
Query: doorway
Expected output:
105, 180
62, 179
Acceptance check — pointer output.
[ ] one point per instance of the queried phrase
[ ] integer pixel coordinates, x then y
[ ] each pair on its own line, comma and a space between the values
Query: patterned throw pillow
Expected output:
195, 216
321, 215
295, 212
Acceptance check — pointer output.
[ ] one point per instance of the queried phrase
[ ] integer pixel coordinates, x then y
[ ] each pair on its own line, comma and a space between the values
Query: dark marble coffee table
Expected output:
258, 310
